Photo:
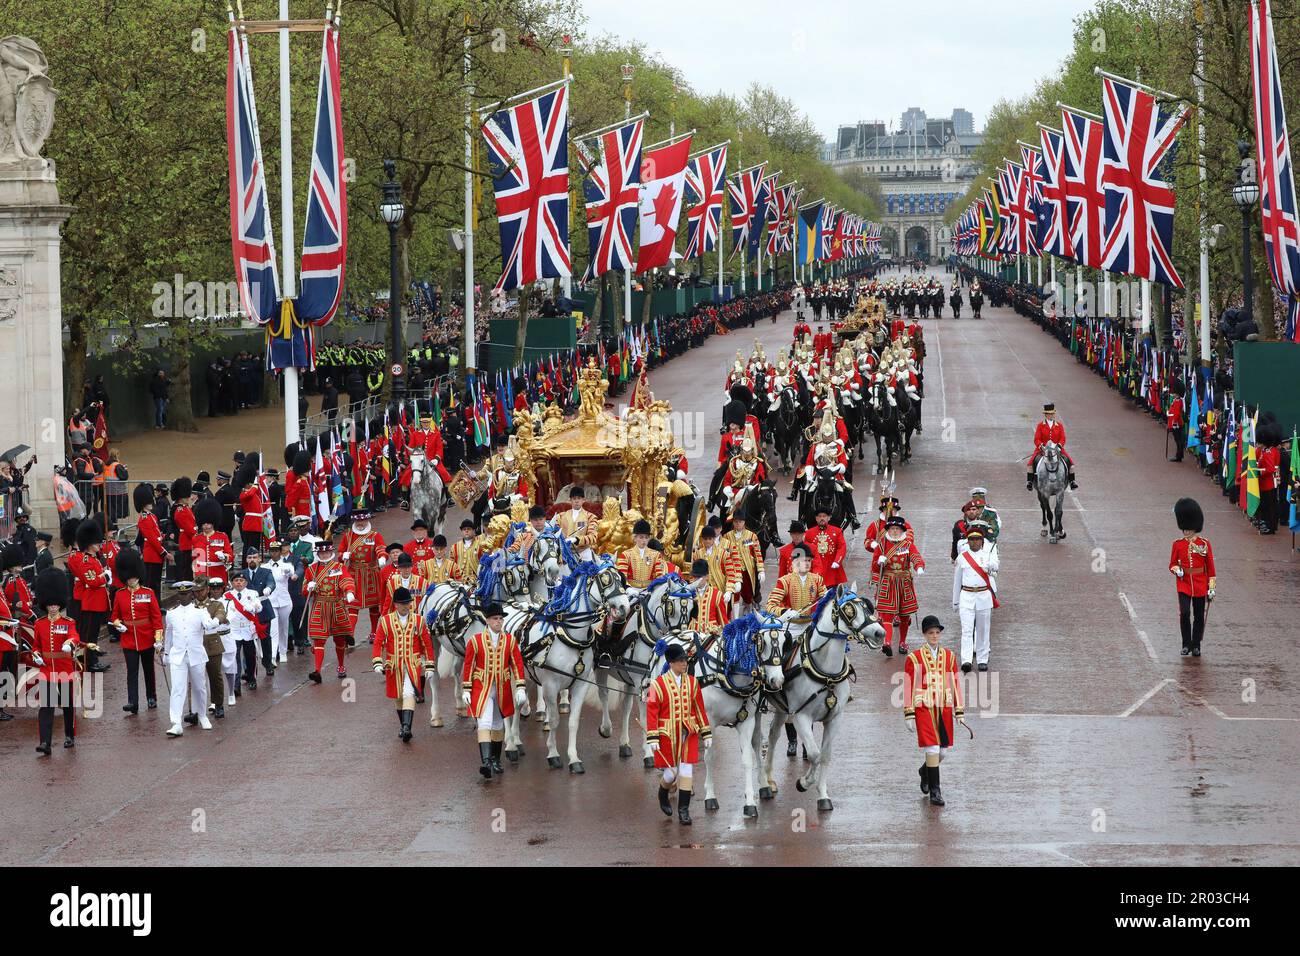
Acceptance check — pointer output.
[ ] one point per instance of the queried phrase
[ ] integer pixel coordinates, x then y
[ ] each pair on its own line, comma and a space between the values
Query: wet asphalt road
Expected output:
1096, 743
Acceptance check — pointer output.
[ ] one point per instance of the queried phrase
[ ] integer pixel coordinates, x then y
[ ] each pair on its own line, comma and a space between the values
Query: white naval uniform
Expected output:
281, 603
183, 630
241, 628
974, 607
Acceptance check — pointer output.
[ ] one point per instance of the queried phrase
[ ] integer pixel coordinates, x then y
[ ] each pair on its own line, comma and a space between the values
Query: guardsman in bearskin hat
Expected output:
16, 615
404, 655
800, 589
1191, 562
1176, 420
212, 553
362, 550
676, 725
1049, 429
297, 483
183, 519
896, 601
711, 613
493, 666
639, 564
153, 550
332, 593
53, 652
933, 695
138, 619
90, 589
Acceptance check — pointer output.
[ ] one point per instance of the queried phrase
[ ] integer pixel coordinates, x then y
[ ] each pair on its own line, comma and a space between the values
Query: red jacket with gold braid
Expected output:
403, 649
499, 669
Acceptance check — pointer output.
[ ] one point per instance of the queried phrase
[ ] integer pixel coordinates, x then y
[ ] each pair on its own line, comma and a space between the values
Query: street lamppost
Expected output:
392, 211
1245, 194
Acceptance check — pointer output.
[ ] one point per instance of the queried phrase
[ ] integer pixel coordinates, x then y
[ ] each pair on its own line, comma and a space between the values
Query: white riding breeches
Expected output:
683, 770
491, 718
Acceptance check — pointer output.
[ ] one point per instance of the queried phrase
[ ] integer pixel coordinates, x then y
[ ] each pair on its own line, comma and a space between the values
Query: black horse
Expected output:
758, 508
824, 494
886, 423
784, 425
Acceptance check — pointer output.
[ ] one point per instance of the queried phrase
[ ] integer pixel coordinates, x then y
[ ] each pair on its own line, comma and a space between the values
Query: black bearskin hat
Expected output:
290, 452
142, 496
207, 511
1188, 514
245, 473
68, 531
1176, 387
51, 588
182, 488
89, 532
301, 463
733, 413
741, 393
1269, 434
128, 565
11, 557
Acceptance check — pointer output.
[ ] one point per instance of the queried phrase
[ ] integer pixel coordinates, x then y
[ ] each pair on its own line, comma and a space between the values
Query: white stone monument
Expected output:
31, 315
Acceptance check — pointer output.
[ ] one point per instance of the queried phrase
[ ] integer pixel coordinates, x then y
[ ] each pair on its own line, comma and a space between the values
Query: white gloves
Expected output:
382, 562
1178, 571
762, 576
379, 668
351, 597
521, 697
654, 744
920, 571
121, 628
881, 560
266, 591
346, 555
464, 698
67, 646
707, 742
735, 588
835, 565
108, 575
311, 585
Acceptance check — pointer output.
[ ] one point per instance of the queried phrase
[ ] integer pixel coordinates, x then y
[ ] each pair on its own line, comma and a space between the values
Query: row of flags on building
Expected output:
1097, 191
289, 322
634, 197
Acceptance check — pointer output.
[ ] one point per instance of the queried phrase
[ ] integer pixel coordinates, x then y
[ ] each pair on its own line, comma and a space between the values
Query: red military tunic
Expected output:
711, 613
1046, 431
297, 494
91, 588
1174, 417
209, 556
420, 551
1196, 558
674, 712
254, 504
48, 639
153, 551
828, 547
183, 517
138, 609
933, 695
405, 650
364, 551
331, 613
434, 451
492, 670
897, 589
784, 563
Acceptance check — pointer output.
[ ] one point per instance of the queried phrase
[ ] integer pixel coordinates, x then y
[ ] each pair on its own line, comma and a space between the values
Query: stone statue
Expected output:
26, 100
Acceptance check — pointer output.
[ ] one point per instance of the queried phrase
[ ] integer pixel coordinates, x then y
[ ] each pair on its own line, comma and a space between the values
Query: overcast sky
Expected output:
842, 61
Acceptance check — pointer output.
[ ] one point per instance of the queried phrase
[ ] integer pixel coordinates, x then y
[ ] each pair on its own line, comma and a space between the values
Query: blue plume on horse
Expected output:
821, 605
571, 586
680, 587
661, 646
567, 555
738, 643
516, 528
489, 575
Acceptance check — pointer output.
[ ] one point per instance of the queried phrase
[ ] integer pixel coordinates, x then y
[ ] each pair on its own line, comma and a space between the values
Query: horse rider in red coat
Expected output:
1049, 429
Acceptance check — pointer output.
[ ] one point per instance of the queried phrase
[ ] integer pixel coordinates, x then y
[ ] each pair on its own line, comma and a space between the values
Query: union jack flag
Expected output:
1081, 176
325, 233
1277, 198
528, 148
1053, 234
742, 203
762, 203
1031, 183
250, 223
778, 219
612, 189
705, 175
826, 235
1139, 200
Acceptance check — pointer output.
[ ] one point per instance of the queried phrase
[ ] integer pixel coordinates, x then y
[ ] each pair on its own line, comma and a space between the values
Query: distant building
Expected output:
922, 167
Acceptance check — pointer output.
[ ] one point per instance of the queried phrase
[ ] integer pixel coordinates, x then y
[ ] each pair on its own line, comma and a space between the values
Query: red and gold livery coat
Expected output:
933, 695
711, 613
364, 552
496, 670
724, 566
828, 547
792, 594
464, 560
415, 583
897, 588
405, 649
675, 714
1196, 558
437, 570
419, 550
744, 544
640, 569
331, 613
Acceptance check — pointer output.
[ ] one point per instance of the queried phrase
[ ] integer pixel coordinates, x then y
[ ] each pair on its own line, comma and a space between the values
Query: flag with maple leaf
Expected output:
663, 179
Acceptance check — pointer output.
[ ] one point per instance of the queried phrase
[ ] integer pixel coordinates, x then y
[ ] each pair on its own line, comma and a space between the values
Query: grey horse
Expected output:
1051, 483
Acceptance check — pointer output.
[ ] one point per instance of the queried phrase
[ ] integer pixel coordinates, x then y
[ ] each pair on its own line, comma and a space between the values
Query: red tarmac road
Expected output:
1096, 743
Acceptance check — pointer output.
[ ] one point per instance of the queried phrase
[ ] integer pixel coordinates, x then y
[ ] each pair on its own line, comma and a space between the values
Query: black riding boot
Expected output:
404, 724
925, 778
684, 807
936, 797
485, 758
496, 757
1030, 480
1069, 476
665, 804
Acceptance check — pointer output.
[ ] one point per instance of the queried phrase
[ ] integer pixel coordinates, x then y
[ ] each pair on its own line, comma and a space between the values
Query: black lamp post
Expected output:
392, 211
1245, 194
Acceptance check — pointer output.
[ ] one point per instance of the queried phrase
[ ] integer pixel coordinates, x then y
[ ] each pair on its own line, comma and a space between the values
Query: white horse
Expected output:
734, 669
429, 497
664, 607
1050, 479
449, 610
556, 642
814, 687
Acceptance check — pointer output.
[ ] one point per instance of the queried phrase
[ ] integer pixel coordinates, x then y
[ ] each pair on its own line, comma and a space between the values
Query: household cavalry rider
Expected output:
826, 454
738, 375
782, 375
759, 366
1049, 429
745, 470
799, 590
505, 484
404, 655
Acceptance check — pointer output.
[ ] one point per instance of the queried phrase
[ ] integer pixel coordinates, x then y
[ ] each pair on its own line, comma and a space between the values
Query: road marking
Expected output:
943, 386
1147, 696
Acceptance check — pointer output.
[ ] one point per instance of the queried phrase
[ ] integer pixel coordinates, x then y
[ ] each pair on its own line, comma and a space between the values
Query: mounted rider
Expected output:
800, 589
1049, 430
826, 454
782, 375
739, 374
639, 564
745, 470
506, 481
711, 613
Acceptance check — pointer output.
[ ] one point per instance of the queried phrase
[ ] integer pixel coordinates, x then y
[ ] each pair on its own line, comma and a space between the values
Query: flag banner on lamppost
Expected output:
705, 178
664, 180
612, 188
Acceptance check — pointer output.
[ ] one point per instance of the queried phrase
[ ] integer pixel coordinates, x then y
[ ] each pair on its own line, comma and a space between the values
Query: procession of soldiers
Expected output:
540, 597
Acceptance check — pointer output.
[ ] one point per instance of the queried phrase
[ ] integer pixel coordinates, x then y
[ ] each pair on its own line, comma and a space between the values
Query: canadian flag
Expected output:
663, 177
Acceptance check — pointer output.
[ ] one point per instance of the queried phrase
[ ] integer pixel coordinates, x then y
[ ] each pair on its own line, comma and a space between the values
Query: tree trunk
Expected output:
180, 410
74, 377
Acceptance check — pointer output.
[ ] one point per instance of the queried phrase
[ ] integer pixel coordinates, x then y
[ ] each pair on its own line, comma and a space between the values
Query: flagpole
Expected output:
288, 280
566, 282
627, 272
1204, 281
470, 358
